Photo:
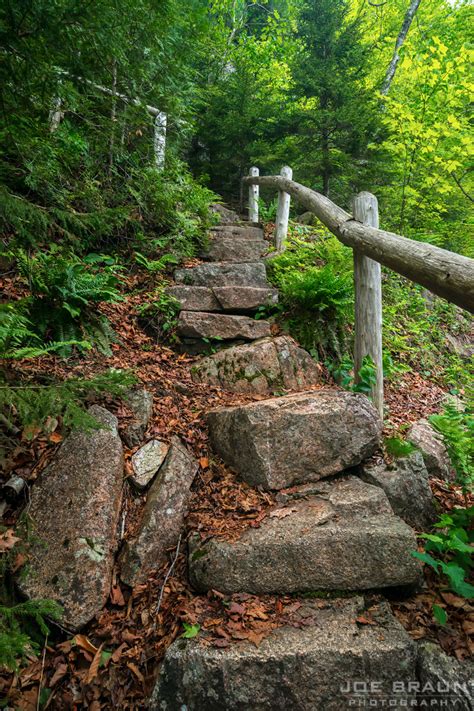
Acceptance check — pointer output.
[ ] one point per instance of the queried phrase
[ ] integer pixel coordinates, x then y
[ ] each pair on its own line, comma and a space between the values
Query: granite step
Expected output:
226, 327
224, 274
228, 249
322, 660
346, 538
239, 231
231, 299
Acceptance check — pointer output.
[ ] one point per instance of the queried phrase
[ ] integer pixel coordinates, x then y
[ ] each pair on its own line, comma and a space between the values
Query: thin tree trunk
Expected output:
113, 116
392, 67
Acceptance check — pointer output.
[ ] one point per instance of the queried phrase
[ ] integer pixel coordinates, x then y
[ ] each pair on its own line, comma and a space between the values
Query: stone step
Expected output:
197, 324
263, 367
224, 274
236, 232
235, 250
310, 666
295, 439
347, 538
226, 215
233, 299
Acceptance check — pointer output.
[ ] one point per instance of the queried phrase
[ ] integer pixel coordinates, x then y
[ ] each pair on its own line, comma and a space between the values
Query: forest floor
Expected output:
113, 662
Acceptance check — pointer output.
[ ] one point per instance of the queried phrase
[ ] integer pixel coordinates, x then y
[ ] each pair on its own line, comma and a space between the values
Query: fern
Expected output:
16, 640
31, 407
64, 292
457, 429
155, 265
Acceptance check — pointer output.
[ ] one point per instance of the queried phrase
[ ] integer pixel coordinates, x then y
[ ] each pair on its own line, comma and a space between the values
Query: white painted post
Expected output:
368, 301
159, 139
253, 196
283, 212
55, 115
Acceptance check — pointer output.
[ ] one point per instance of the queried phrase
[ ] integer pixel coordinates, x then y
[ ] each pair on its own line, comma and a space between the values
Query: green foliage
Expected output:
77, 184
190, 631
316, 294
31, 407
155, 265
267, 211
397, 447
456, 425
159, 314
449, 551
413, 318
173, 210
343, 373
17, 624
440, 615
64, 291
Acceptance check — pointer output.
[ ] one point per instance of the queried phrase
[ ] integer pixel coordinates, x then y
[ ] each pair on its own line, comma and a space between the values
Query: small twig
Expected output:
42, 672
167, 576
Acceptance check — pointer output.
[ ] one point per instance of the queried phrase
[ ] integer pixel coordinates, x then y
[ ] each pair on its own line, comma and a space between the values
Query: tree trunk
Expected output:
392, 67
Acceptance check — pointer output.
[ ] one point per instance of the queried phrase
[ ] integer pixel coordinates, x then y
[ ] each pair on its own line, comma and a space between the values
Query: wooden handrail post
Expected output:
368, 301
283, 212
159, 140
253, 196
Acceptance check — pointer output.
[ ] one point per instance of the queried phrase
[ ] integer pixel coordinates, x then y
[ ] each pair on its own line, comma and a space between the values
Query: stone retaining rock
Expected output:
228, 249
223, 274
163, 516
299, 669
146, 462
295, 439
197, 324
431, 445
140, 402
407, 488
74, 512
261, 367
445, 682
347, 538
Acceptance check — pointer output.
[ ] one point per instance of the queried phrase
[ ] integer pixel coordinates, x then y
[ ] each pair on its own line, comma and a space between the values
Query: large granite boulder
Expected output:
294, 439
327, 661
345, 538
228, 249
162, 521
261, 367
407, 487
431, 445
74, 511
223, 274
444, 682
225, 327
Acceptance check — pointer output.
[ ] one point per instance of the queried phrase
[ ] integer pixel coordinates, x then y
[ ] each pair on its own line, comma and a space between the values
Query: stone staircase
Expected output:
331, 532
218, 298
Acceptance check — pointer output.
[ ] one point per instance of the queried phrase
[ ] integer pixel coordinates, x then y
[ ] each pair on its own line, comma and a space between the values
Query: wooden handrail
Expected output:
445, 273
